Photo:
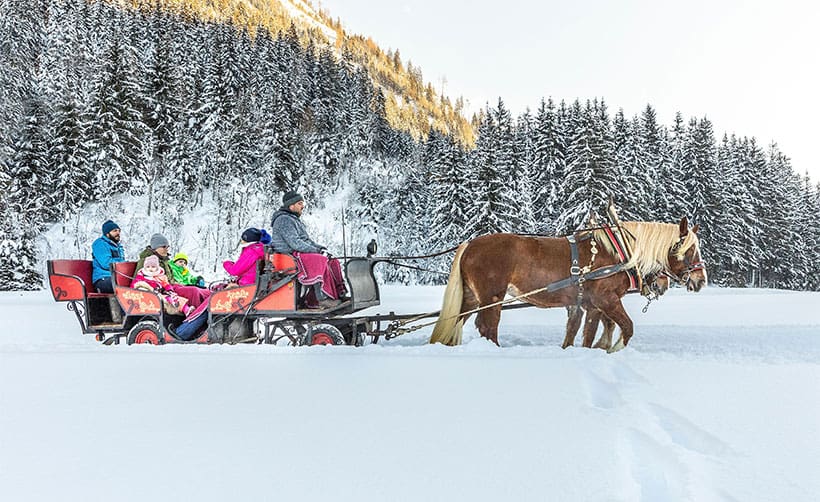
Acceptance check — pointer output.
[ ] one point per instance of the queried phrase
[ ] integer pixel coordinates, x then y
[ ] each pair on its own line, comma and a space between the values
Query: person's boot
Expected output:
116, 311
328, 303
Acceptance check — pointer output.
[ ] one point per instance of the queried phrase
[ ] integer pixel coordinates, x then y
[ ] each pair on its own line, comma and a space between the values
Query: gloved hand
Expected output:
200, 281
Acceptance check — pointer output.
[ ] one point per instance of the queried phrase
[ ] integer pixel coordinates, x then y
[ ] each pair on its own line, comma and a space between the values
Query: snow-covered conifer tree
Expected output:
548, 171
116, 133
591, 169
487, 184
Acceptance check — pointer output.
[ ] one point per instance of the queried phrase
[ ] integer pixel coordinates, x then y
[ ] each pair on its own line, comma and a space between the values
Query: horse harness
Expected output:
647, 288
578, 275
690, 265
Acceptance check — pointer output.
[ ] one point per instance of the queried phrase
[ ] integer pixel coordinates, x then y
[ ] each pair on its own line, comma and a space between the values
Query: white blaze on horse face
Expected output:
661, 284
696, 279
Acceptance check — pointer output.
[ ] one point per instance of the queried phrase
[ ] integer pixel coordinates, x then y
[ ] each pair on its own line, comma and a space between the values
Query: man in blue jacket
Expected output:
105, 251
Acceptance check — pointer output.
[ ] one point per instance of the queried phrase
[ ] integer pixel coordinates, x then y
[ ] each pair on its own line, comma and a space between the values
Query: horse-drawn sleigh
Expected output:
590, 270
268, 309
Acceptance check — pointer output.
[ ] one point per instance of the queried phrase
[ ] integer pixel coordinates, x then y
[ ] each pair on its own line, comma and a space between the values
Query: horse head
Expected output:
685, 263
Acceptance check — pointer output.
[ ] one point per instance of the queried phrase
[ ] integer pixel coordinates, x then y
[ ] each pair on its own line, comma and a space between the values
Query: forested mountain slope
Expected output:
194, 128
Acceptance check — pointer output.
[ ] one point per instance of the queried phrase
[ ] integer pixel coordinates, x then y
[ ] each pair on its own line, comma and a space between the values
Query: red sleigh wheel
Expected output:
145, 332
324, 334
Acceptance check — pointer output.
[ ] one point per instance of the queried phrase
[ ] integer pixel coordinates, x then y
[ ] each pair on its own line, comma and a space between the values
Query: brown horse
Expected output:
487, 268
575, 314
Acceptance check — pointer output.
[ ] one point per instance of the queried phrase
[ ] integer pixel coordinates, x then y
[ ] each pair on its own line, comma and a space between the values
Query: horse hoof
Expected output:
615, 348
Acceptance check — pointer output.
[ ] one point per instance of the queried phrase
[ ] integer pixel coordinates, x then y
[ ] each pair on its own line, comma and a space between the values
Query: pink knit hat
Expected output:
151, 261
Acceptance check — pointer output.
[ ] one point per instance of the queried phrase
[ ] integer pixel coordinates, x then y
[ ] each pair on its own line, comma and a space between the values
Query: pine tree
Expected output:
673, 196
22, 42
449, 189
19, 269
548, 170
28, 200
117, 132
591, 169
808, 208
651, 138
702, 185
629, 190
324, 145
487, 184
68, 156
522, 181
780, 190
29, 195
731, 258
508, 200
162, 111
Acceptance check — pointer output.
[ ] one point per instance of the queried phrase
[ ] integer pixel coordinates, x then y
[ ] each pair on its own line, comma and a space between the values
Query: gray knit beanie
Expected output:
157, 241
291, 198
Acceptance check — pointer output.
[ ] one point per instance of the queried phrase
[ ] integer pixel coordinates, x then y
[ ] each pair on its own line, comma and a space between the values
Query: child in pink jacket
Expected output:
253, 249
152, 276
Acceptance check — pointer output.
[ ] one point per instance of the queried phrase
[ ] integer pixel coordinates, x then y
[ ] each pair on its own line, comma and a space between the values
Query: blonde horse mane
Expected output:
650, 243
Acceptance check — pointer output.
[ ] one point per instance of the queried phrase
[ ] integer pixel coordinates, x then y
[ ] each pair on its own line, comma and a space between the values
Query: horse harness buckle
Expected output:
575, 268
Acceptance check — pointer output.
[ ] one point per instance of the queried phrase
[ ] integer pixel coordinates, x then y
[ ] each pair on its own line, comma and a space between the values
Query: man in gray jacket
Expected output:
288, 233
316, 266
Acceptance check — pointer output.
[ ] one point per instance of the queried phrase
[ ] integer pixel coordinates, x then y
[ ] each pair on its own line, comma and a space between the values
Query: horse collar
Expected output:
635, 282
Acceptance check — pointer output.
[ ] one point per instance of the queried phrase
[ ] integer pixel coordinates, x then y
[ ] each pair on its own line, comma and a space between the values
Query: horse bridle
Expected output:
691, 266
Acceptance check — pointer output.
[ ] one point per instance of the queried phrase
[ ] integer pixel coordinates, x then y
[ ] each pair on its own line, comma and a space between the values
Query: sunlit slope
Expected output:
411, 104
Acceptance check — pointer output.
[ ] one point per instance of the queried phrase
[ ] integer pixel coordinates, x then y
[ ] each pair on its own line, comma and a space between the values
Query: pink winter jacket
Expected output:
245, 266
158, 282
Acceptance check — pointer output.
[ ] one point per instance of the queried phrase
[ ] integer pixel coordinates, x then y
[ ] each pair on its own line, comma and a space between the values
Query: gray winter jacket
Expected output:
288, 234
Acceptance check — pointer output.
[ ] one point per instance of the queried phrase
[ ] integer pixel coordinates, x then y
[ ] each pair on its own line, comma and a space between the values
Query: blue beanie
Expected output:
109, 226
252, 235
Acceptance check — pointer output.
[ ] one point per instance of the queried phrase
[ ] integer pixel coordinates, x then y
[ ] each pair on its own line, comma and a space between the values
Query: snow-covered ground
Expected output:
716, 398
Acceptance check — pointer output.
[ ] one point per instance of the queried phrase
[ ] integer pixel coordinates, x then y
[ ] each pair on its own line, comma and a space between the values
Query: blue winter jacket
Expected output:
104, 252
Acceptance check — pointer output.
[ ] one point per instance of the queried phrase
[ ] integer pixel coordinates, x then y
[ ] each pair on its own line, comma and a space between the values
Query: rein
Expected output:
421, 257
391, 260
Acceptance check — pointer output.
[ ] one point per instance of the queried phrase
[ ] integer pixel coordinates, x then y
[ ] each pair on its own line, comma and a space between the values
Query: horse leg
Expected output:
487, 323
469, 302
574, 316
605, 342
591, 326
616, 312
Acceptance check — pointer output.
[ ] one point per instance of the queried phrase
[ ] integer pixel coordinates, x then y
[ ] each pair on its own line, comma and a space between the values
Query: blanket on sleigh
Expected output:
314, 267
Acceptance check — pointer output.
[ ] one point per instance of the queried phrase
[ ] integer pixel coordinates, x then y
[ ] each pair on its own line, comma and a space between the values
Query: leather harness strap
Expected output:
614, 236
577, 275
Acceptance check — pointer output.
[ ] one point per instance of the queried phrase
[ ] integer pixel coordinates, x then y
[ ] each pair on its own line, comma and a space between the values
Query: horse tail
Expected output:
450, 323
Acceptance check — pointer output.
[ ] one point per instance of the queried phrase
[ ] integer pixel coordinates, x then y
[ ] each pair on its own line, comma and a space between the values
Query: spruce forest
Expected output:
107, 106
